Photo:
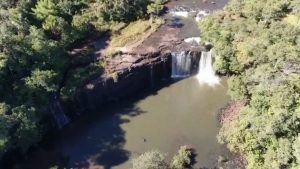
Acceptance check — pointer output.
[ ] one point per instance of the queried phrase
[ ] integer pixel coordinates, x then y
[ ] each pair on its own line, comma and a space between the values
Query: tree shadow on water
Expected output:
94, 140
102, 143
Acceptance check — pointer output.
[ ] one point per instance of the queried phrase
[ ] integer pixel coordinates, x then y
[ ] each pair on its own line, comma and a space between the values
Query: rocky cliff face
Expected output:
125, 75
135, 69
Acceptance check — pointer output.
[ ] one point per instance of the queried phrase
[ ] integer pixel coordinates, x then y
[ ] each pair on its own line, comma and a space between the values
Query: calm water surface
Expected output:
184, 113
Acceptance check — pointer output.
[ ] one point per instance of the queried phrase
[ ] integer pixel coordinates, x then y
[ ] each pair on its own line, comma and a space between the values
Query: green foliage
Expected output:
52, 22
182, 159
27, 132
6, 4
279, 154
155, 8
257, 42
35, 37
135, 31
6, 122
32, 61
42, 79
156, 160
3, 60
57, 15
77, 78
61, 8
296, 148
150, 160
237, 88
122, 10
46, 8
111, 14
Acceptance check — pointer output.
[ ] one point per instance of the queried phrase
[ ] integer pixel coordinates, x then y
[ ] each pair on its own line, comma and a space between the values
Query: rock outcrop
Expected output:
135, 69
126, 74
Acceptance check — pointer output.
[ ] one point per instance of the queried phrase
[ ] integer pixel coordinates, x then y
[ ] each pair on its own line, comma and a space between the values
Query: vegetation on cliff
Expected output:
258, 44
135, 32
34, 39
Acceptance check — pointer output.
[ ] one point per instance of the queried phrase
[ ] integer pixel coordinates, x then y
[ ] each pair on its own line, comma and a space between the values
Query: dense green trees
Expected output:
112, 14
34, 39
32, 62
257, 42
155, 8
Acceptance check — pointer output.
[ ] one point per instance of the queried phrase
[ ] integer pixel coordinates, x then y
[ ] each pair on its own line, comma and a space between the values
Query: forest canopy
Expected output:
258, 44
35, 37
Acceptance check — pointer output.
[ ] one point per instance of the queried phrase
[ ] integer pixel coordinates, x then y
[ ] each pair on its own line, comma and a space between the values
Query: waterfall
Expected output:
206, 72
201, 14
58, 113
181, 64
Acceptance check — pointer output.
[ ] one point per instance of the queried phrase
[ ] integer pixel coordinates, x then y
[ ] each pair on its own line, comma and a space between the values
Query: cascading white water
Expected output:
201, 14
181, 64
180, 11
193, 40
185, 12
206, 72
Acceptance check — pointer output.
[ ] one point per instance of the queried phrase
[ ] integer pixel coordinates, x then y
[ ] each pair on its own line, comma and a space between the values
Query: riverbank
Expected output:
230, 112
225, 116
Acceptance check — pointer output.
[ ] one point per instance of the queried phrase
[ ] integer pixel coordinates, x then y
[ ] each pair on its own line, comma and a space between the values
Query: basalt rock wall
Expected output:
130, 73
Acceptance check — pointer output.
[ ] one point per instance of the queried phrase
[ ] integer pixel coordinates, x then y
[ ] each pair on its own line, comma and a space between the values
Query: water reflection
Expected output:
183, 113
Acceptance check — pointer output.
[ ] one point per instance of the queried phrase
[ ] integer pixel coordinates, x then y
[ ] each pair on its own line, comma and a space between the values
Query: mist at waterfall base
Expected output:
206, 73
182, 62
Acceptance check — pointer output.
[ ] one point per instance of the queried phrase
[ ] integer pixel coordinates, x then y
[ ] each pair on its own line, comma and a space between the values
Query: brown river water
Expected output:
182, 113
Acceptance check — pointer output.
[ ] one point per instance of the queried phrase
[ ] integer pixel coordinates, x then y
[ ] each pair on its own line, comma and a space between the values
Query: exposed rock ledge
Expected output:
125, 75
133, 70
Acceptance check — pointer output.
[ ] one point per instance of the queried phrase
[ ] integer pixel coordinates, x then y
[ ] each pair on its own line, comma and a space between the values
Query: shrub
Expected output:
150, 160
182, 159
155, 8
